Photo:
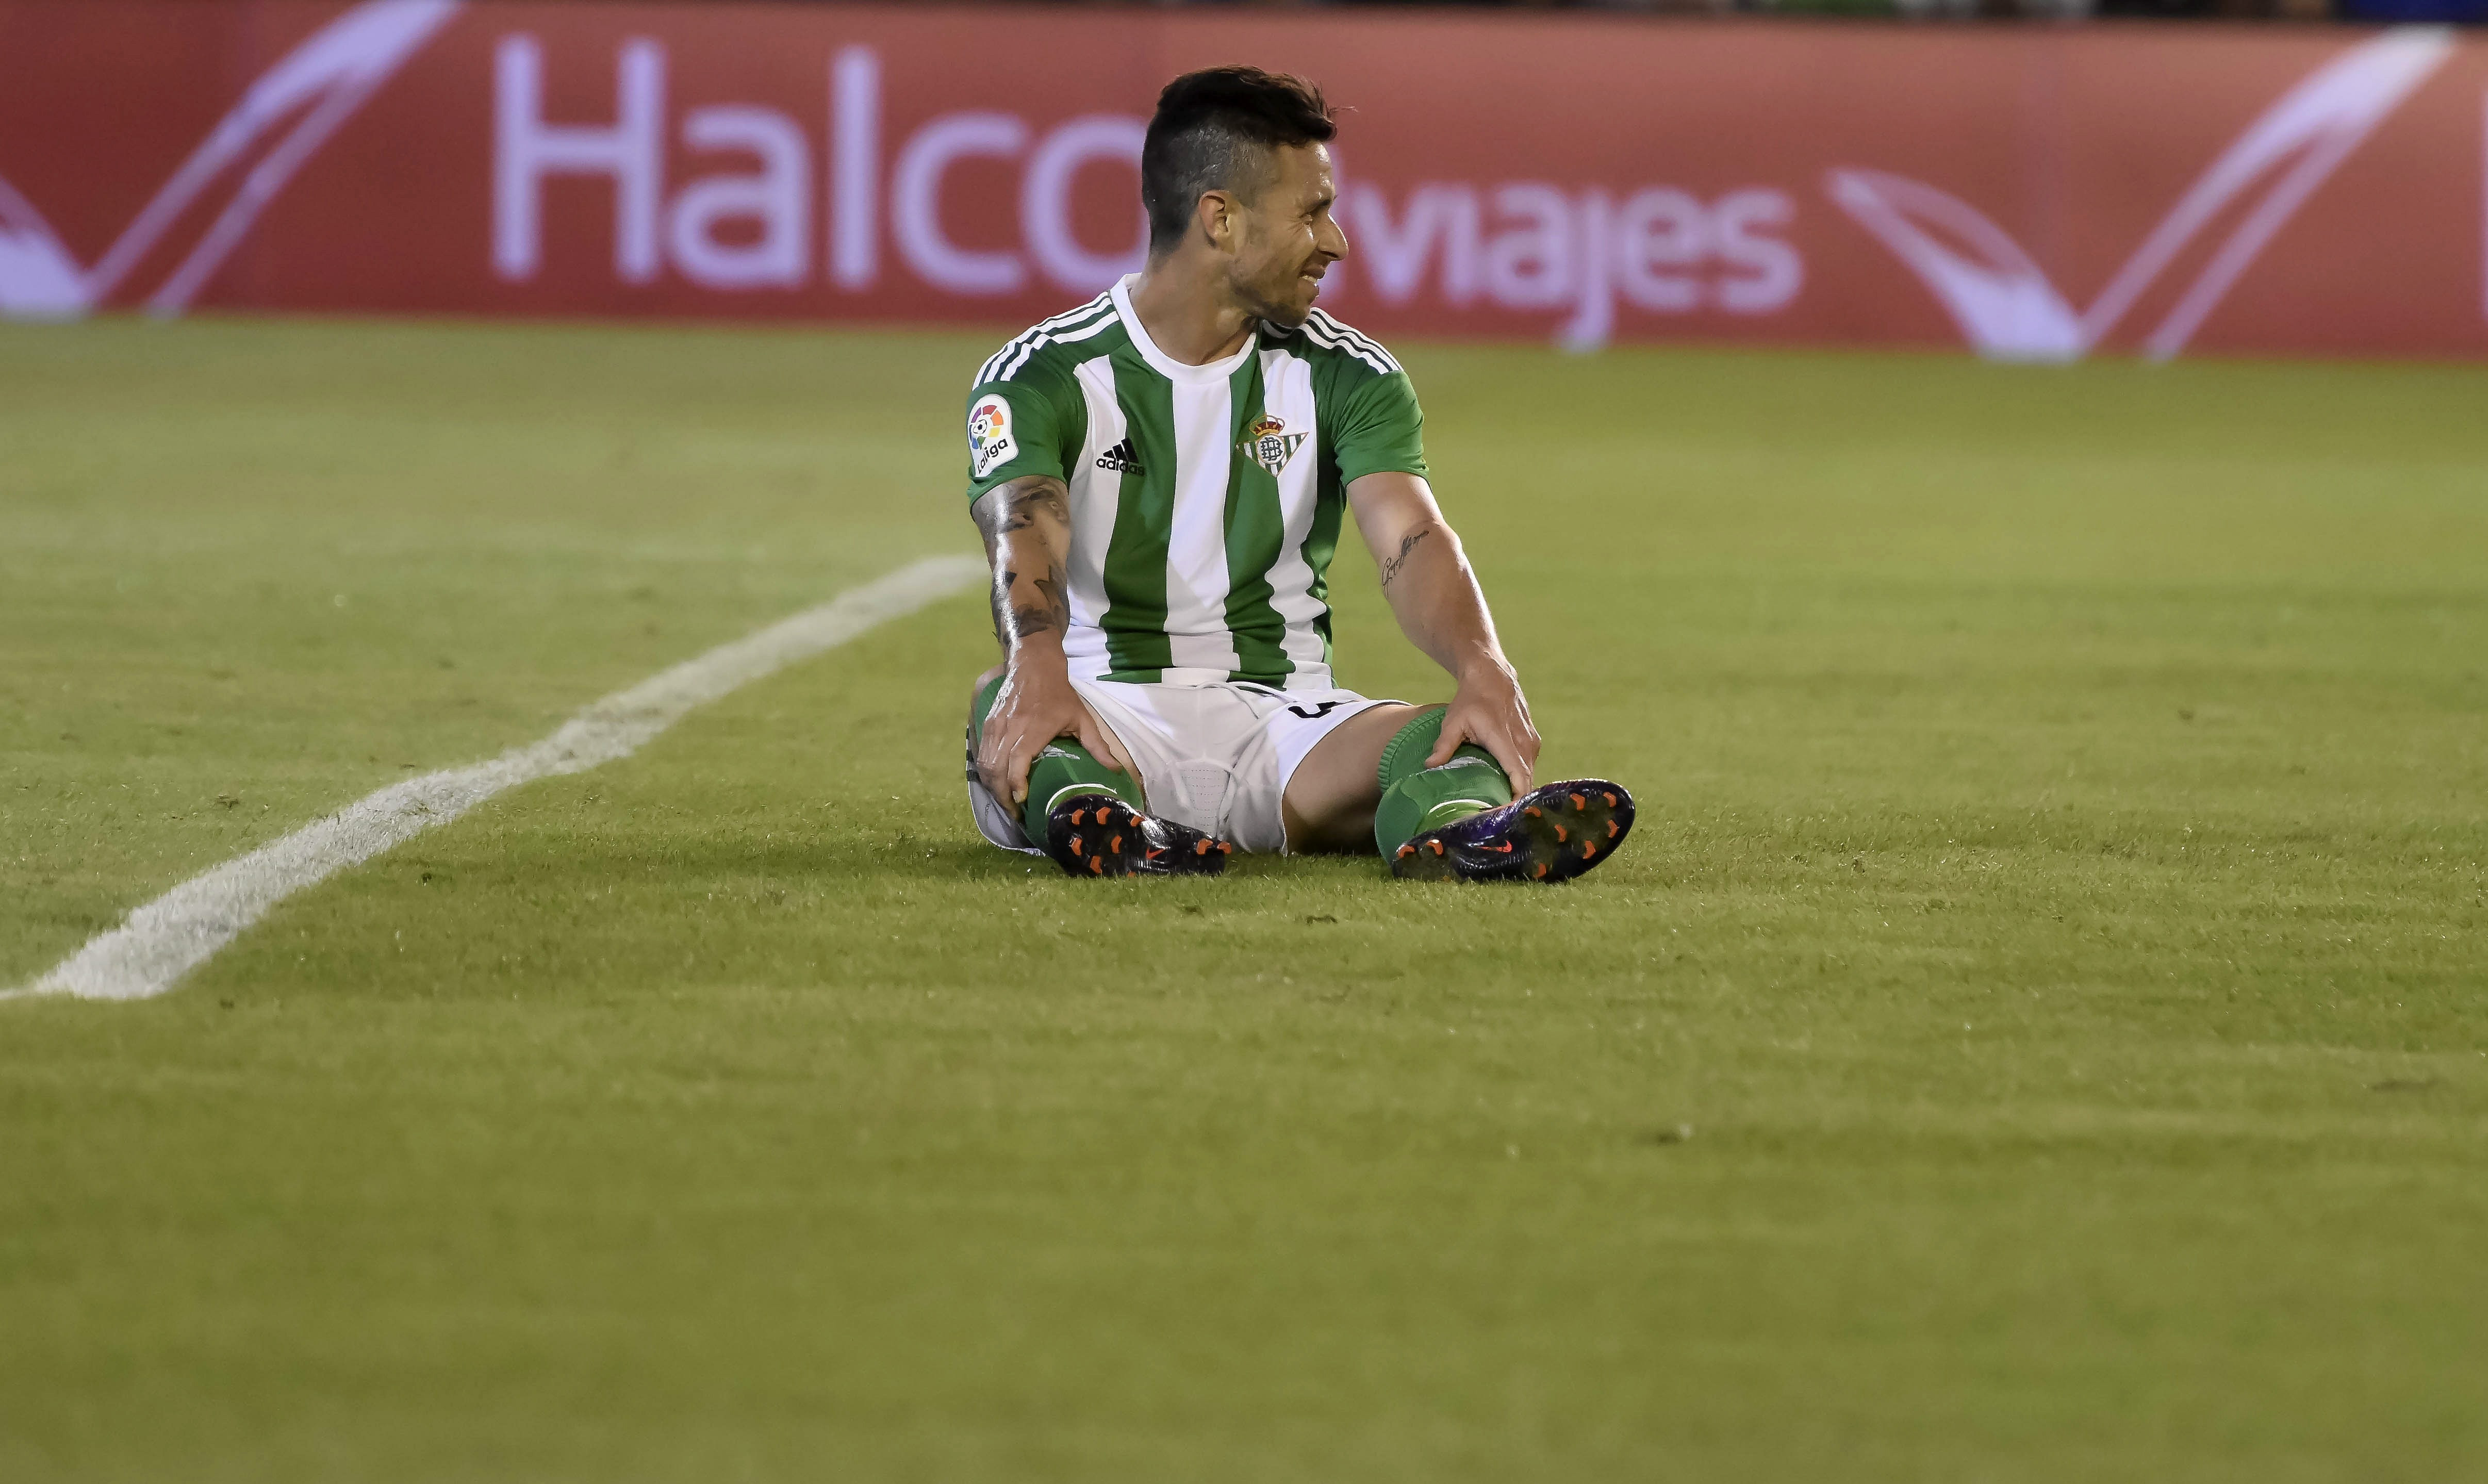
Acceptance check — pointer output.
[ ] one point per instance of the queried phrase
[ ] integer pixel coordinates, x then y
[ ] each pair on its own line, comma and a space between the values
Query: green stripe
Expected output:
1137, 648
1322, 543
1256, 529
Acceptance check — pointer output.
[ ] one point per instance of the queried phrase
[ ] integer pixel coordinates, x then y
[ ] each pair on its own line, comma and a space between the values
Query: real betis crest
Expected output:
1269, 444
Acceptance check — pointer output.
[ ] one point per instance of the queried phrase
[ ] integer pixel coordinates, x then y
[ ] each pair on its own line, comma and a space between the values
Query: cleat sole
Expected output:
1550, 834
1088, 839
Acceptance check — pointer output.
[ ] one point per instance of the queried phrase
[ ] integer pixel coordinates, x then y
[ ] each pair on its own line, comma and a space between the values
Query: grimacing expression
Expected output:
1285, 238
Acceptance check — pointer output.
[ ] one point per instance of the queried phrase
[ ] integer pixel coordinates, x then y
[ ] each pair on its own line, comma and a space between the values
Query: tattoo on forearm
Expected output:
1038, 606
1031, 591
1407, 544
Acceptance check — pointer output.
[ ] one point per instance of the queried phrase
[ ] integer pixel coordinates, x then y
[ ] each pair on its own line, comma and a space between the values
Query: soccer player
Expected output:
1159, 476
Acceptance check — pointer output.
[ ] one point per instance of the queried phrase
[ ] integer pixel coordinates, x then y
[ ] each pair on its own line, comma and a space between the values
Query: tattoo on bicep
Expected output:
1407, 544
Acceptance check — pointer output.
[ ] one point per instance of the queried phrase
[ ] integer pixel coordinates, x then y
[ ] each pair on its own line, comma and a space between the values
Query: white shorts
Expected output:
1216, 757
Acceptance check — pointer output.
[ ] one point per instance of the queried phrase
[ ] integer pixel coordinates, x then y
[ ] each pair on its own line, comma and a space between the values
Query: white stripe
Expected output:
1320, 336
1357, 337
985, 372
1379, 362
1343, 329
184, 927
1354, 338
1011, 356
1376, 345
1196, 624
1032, 337
1103, 324
1329, 341
1097, 499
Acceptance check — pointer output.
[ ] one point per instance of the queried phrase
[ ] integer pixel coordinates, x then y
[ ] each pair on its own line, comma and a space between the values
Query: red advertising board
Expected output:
2037, 192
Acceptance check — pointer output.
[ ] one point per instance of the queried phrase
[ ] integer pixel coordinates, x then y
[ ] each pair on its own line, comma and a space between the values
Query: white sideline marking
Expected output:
184, 927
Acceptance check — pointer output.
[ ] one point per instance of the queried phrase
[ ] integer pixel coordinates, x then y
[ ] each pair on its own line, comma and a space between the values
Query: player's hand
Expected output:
1487, 709
1035, 706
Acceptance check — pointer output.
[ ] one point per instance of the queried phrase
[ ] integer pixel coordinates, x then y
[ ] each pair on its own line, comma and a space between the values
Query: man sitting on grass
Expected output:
1159, 476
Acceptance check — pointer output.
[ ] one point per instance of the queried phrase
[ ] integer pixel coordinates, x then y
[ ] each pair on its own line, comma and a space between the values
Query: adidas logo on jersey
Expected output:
1121, 459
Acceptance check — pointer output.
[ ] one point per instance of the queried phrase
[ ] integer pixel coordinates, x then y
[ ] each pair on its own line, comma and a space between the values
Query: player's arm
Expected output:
1026, 526
1435, 596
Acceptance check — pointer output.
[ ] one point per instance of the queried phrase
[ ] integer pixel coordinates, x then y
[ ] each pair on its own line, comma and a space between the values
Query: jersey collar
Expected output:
1166, 365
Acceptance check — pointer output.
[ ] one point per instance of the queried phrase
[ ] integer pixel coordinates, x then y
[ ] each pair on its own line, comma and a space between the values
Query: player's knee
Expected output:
980, 699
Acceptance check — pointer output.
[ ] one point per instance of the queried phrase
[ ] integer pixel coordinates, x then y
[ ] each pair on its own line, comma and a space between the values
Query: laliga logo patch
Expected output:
989, 436
1269, 444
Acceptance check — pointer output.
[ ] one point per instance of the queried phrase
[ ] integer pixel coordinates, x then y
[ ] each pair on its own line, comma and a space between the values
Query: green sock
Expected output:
1061, 769
1416, 798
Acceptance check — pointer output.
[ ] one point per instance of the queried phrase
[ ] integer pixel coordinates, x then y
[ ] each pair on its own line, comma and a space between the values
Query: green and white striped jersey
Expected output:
1205, 500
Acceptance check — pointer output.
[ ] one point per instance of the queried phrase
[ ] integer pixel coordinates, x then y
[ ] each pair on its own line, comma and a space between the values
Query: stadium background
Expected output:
2035, 1030
2034, 194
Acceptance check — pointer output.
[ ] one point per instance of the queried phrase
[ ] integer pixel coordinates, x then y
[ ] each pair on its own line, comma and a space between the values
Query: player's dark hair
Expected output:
1213, 130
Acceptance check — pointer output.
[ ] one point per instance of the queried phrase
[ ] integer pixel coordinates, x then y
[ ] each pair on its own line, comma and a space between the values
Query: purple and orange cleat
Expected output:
1548, 834
1097, 835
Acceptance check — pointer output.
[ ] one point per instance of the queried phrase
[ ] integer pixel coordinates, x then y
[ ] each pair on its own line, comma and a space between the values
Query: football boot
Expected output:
1097, 835
1548, 834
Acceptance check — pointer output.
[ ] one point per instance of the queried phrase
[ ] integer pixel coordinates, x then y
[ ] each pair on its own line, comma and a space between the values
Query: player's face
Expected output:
1287, 239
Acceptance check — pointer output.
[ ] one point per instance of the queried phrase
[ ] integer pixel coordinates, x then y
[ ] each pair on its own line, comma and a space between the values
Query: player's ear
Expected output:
1218, 215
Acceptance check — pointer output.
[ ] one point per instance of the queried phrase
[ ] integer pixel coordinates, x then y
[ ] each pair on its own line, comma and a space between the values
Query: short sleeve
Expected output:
1381, 429
1016, 428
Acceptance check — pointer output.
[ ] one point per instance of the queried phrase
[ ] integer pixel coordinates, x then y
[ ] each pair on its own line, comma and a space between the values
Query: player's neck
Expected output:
1186, 313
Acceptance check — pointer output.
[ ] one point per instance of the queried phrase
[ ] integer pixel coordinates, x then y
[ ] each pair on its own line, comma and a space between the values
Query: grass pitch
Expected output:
2035, 1033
